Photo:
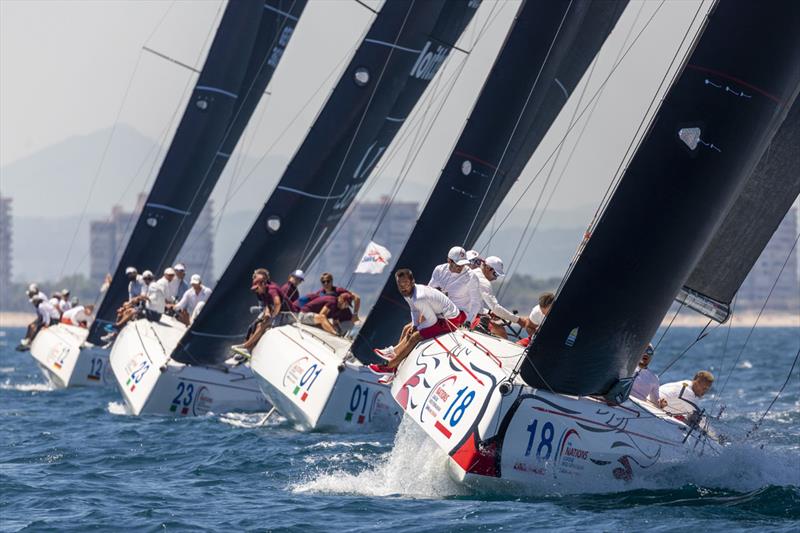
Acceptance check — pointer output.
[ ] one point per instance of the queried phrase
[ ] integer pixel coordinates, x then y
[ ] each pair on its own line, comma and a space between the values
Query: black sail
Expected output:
243, 56
529, 84
404, 47
748, 226
717, 118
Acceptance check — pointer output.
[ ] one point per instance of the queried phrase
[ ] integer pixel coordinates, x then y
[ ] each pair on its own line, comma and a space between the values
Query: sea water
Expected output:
72, 460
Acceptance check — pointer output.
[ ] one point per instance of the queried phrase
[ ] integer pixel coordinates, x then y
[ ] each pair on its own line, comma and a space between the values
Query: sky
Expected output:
73, 68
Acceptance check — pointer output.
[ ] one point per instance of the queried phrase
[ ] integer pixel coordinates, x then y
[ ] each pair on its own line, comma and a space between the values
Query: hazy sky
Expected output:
69, 68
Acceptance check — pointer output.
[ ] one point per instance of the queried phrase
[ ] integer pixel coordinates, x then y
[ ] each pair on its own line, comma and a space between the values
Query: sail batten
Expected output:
243, 56
702, 145
547, 51
343, 146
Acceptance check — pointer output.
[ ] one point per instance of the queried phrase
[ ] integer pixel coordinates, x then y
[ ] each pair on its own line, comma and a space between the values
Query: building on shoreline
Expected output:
6, 258
756, 287
343, 253
108, 238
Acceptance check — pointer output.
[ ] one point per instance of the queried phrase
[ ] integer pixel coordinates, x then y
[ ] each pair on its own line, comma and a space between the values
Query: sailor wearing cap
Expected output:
178, 286
136, 286
492, 269
33, 290
65, 303
475, 259
198, 293
290, 288
458, 282
171, 284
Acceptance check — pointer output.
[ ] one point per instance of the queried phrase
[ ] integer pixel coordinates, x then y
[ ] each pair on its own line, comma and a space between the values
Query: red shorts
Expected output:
65, 320
443, 325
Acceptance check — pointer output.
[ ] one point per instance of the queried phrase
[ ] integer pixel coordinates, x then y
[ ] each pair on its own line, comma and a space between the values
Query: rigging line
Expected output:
519, 119
230, 127
291, 123
514, 263
645, 122
357, 131
760, 312
664, 333
108, 141
362, 4
591, 101
703, 334
407, 132
577, 141
413, 153
775, 399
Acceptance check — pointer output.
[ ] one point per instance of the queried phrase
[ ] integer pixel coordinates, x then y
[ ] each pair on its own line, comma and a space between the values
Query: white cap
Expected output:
64, 292
472, 255
299, 274
458, 255
130, 270
168, 271
33, 287
147, 274
179, 267
496, 264
196, 279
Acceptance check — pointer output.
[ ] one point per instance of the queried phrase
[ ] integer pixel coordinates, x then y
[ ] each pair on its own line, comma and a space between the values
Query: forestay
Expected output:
391, 68
716, 120
246, 49
749, 225
547, 51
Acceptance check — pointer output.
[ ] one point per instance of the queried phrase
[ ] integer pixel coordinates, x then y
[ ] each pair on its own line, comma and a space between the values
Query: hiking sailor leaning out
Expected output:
683, 397
272, 301
329, 312
491, 270
455, 279
432, 314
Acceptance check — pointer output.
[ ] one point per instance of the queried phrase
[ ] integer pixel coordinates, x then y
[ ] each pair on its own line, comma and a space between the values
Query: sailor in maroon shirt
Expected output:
290, 288
331, 313
273, 301
329, 289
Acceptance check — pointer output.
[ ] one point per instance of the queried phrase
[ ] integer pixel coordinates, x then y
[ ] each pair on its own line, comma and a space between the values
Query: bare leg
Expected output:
251, 342
498, 331
324, 323
404, 348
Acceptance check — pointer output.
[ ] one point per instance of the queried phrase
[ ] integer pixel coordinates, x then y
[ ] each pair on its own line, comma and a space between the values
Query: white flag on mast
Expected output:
374, 260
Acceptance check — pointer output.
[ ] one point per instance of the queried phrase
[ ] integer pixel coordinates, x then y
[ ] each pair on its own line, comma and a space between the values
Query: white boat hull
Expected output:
66, 361
150, 383
514, 435
301, 370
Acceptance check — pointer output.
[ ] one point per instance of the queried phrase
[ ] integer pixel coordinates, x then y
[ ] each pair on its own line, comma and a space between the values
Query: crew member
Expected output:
645, 386
178, 286
136, 286
458, 282
78, 316
291, 287
535, 319
432, 314
330, 289
331, 313
490, 270
271, 299
683, 397
196, 294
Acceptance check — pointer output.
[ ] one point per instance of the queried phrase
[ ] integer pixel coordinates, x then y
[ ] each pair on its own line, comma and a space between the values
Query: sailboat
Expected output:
246, 49
156, 364
321, 382
557, 415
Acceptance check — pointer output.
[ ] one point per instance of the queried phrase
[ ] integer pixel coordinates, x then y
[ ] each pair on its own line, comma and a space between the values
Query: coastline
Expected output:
14, 319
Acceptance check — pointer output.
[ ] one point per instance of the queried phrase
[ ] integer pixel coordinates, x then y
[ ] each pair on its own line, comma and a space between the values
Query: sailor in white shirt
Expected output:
47, 312
173, 283
458, 282
683, 397
492, 269
46, 315
196, 294
136, 285
645, 386
432, 314
78, 315
65, 304
157, 298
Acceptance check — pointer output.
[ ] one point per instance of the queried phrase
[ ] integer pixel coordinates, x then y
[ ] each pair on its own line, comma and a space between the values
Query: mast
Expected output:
713, 126
243, 56
548, 49
748, 226
403, 49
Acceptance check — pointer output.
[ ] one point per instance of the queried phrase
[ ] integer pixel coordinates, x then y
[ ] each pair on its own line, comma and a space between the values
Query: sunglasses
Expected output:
326, 281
